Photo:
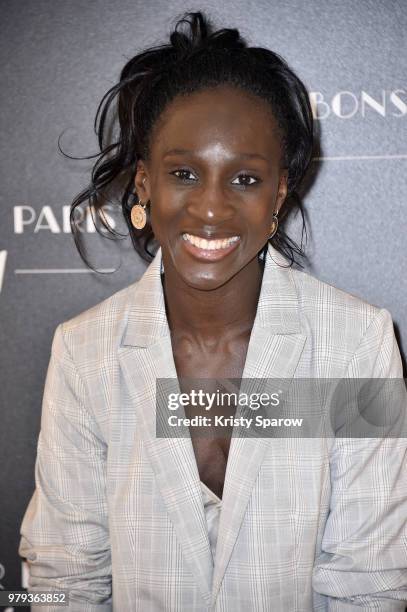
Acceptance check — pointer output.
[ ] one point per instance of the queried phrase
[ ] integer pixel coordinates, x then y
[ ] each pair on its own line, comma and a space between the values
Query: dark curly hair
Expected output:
195, 58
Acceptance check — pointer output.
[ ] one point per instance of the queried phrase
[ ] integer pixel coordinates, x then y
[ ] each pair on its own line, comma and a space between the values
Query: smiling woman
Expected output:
214, 142
267, 137
219, 188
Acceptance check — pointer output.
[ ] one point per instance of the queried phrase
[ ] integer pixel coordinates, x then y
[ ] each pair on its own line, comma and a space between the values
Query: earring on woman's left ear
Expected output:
138, 214
274, 226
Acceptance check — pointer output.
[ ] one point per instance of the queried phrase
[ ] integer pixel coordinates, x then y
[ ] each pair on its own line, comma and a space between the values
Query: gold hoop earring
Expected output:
138, 215
274, 226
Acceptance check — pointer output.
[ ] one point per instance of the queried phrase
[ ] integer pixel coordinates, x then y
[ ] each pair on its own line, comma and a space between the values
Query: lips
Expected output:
209, 249
216, 234
209, 244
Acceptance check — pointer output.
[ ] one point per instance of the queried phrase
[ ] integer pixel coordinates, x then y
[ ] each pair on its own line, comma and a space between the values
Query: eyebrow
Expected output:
239, 156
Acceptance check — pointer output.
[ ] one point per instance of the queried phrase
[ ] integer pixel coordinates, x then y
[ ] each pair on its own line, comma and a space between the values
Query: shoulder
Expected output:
320, 298
321, 306
99, 329
340, 325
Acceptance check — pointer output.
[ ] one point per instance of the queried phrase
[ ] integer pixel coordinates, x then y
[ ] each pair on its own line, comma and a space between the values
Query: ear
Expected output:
282, 190
142, 182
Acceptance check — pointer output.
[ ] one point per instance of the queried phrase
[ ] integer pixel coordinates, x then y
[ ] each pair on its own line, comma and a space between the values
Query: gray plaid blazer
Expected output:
117, 516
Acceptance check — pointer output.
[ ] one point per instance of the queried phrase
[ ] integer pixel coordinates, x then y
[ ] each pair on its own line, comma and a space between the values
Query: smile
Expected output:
210, 245
209, 250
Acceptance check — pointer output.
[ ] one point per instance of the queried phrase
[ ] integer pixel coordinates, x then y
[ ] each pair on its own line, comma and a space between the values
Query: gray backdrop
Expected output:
58, 59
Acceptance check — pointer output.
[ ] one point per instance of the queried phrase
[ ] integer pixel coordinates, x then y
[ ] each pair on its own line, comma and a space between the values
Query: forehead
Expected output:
225, 117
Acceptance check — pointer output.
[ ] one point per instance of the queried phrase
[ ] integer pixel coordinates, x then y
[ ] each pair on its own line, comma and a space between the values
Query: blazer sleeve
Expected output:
64, 533
363, 562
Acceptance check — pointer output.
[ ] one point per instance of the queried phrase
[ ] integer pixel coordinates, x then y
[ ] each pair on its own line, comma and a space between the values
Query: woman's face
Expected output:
214, 173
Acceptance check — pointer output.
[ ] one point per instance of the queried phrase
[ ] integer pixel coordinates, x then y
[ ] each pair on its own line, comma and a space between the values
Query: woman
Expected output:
215, 138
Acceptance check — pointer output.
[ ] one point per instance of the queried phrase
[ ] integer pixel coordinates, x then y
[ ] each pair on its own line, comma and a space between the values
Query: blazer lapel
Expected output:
145, 355
275, 347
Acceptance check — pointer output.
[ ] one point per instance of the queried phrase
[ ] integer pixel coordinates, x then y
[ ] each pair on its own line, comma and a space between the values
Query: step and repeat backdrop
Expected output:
59, 58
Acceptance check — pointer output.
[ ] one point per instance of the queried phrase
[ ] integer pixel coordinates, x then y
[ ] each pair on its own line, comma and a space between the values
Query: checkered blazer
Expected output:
307, 524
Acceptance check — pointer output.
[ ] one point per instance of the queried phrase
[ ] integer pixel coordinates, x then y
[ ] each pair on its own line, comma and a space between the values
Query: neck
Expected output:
206, 315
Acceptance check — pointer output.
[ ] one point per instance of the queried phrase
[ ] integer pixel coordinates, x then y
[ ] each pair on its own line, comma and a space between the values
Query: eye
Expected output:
182, 174
246, 178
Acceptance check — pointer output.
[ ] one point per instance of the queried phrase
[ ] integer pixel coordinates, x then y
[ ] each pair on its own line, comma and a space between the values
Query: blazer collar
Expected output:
277, 308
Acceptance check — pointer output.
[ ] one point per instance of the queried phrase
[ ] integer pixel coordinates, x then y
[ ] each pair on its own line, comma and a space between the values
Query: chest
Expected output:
211, 446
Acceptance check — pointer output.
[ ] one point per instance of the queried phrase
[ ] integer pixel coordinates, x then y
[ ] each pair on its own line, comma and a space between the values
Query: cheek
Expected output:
165, 213
257, 218
168, 200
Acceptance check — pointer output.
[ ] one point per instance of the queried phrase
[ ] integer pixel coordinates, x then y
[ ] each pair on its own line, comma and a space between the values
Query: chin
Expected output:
204, 279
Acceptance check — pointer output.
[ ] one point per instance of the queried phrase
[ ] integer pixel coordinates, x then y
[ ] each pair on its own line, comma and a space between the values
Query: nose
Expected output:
211, 204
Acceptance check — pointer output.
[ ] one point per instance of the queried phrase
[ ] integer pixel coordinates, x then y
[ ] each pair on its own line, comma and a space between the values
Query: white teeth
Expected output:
210, 245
